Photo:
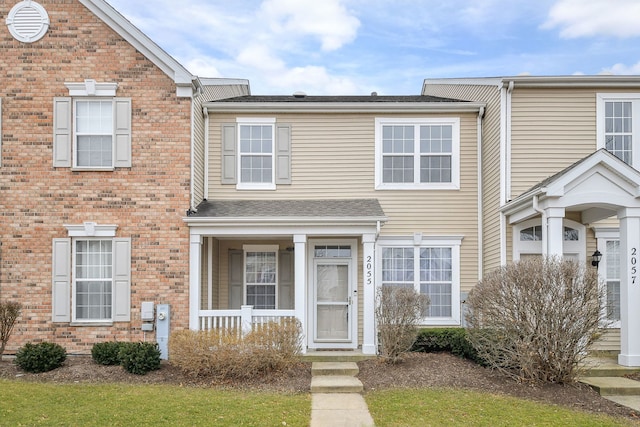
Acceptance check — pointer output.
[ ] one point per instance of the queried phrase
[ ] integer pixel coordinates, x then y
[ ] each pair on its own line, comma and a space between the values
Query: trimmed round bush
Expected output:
41, 357
106, 353
140, 357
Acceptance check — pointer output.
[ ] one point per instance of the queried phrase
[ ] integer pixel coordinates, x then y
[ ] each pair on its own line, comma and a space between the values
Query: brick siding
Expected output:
146, 201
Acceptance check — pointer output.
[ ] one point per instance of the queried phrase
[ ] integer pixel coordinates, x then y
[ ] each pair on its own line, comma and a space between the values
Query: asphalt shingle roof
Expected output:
356, 208
336, 99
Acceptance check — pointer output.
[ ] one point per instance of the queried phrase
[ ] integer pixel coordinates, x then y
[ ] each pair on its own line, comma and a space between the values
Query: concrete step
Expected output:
335, 356
349, 369
613, 386
606, 367
335, 384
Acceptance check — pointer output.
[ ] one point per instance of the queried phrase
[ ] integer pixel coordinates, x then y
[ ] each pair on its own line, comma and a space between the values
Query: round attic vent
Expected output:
28, 21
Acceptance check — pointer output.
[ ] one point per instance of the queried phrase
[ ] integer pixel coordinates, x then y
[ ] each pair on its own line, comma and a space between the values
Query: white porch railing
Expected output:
246, 319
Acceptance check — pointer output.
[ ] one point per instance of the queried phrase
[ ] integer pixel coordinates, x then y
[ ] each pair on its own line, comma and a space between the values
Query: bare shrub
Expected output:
534, 319
9, 313
227, 354
398, 312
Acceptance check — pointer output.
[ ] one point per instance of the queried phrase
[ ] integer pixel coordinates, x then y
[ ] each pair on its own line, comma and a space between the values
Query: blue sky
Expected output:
345, 47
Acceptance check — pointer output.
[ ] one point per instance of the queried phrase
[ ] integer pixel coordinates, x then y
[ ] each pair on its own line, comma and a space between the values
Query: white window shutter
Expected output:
61, 280
229, 153
62, 132
283, 154
122, 279
122, 134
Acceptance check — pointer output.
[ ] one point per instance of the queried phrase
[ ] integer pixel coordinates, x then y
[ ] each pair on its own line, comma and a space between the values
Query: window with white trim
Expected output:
256, 154
618, 125
527, 240
612, 279
432, 269
608, 240
261, 276
92, 128
417, 153
91, 280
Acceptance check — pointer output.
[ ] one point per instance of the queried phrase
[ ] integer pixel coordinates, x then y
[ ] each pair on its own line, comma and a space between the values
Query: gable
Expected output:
183, 79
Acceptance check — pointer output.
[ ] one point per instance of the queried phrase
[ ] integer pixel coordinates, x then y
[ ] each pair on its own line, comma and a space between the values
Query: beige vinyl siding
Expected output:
551, 129
198, 150
333, 157
209, 93
490, 160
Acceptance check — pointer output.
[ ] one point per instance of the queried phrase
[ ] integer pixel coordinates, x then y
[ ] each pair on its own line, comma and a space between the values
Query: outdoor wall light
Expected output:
595, 258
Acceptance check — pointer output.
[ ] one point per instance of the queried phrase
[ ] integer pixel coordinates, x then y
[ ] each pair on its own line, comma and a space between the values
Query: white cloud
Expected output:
623, 69
327, 20
580, 18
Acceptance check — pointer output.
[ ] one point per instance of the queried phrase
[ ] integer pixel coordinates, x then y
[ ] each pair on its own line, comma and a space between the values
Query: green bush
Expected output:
106, 353
451, 340
140, 357
41, 357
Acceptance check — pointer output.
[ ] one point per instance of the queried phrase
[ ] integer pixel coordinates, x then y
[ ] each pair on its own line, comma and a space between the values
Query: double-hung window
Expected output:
618, 125
92, 128
418, 153
432, 269
255, 154
261, 276
91, 281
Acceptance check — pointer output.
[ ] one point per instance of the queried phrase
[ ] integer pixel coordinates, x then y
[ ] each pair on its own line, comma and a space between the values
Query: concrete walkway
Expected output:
336, 398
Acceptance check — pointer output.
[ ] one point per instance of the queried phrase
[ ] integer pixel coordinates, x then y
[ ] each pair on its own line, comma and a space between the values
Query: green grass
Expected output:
35, 404
445, 407
23, 403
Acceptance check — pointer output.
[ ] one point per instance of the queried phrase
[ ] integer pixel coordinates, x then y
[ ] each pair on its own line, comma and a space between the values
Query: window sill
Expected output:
81, 169
108, 323
263, 187
412, 186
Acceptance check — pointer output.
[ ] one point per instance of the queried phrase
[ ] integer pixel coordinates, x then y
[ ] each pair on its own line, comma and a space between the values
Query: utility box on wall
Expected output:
162, 329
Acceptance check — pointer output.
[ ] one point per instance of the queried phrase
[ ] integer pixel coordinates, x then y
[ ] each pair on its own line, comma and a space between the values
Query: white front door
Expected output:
333, 297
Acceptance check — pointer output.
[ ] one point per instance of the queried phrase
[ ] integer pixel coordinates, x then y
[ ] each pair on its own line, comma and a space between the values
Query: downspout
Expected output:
505, 163
192, 196
480, 195
205, 190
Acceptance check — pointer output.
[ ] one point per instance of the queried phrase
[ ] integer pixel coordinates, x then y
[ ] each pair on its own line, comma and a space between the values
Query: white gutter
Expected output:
480, 194
282, 219
345, 107
205, 190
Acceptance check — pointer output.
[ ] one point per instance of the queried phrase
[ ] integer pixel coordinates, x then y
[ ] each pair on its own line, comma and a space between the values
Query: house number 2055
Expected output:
633, 261
368, 267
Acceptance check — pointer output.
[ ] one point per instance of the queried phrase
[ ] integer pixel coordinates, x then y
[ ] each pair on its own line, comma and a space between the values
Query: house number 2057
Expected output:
634, 260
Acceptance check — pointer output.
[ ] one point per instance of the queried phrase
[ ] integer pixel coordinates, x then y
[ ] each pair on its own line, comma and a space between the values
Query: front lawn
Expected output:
449, 407
27, 403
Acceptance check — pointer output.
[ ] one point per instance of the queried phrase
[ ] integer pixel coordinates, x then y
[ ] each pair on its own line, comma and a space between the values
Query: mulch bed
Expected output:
417, 370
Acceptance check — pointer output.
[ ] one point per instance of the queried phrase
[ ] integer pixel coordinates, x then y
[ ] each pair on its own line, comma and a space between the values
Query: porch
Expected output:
309, 260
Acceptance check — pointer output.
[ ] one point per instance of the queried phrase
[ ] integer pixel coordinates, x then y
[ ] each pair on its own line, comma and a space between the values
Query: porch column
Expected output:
300, 285
368, 295
195, 241
629, 287
555, 231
